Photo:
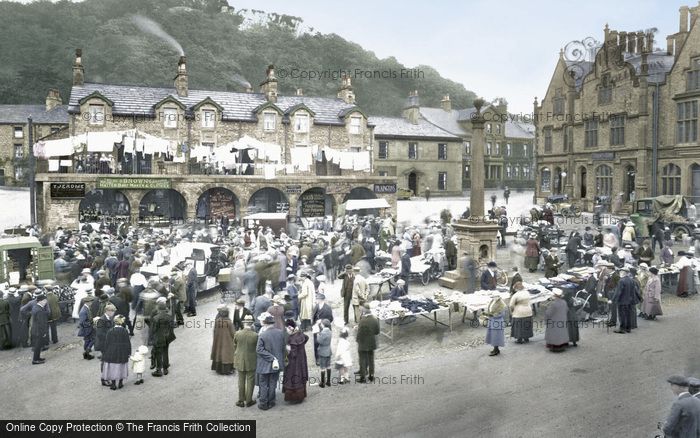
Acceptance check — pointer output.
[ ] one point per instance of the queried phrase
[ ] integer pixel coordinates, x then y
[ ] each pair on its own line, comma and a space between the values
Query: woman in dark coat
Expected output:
532, 253
571, 319
86, 329
115, 354
222, 347
556, 335
296, 372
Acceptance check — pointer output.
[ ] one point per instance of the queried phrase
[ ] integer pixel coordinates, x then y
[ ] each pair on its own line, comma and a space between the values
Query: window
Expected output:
412, 151
687, 122
516, 171
170, 118
498, 128
442, 180
617, 130
693, 76
466, 172
590, 128
19, 132
487, 151
269, 121
383, 173
508, 150
671, 180
508, 171
19, 173
442, 151
526, 172
603, 180
55, 129
19, 151
383, 150
97, 114
301, 122
565, 140
547, 139
355, 125
546, 183
497, 151
488, 128
525, 150
468, 148
495, 172
208, 118
605, 91
559, 101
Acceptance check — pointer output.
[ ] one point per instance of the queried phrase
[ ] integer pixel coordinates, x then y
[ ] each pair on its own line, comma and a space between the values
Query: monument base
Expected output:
476, 239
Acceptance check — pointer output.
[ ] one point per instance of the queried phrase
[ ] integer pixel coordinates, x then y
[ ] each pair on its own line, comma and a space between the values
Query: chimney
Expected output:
300, 91
623, 42
669, 45
446, 104
411, 111
78, 69
248, 89
53, 99
345, 93
650, 42
684, 14
181, 78
640, 42
269, 86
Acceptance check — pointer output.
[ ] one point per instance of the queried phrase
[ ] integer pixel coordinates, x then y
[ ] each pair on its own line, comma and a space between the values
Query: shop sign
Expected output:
603, 156
68, 190
313, 205
134, 183
293, 189
385, 188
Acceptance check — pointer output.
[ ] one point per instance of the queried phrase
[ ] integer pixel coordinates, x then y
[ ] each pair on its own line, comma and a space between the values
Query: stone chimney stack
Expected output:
683, 19
248, 89
411, 111
300, 91
623, 42
345, 93
181, 79
78, 69
640, 42
445, 103
269, 86
53, 99
650, 42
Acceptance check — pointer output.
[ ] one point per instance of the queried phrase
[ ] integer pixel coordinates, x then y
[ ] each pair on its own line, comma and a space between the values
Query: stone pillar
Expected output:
476, 197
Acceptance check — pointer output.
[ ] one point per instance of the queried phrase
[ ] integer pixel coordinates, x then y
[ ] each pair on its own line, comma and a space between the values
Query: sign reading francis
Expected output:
385, 188
133, 183
68, 190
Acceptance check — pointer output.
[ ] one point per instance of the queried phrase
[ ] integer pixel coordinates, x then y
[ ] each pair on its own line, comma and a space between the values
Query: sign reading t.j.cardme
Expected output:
68, 190
133, 183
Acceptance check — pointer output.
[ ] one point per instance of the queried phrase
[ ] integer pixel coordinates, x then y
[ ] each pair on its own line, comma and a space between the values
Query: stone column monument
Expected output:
477, 234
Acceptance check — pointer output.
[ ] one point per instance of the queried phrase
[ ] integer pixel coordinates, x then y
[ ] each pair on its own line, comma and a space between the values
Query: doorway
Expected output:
629, 184
584, 177
413, 183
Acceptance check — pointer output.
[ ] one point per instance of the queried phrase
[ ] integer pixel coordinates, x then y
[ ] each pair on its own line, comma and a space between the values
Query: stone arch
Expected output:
694, 182
215, 202
163, 206
268, 200
105, 204
315, 202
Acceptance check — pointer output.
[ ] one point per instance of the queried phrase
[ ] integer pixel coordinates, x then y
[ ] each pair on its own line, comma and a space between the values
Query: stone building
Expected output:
419, 154
509, 141
14, 135
324, 149
623, 122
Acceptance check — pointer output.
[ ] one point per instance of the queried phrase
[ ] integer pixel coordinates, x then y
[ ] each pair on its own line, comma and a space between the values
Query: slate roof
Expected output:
518, 129
446, 120
660, 63
18, 114
400, 127
139, 100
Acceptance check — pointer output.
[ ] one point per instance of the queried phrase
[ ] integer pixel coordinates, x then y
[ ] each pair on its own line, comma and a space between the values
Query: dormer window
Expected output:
97, 114
269, 121
559, 101
301, 122
170, 118
208, 119
355, 125
19, 132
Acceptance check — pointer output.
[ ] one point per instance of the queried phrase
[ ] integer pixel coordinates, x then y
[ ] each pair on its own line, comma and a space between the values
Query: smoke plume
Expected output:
149, 26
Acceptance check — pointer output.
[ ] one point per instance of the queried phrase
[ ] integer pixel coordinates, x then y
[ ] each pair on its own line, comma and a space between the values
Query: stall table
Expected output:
391, 318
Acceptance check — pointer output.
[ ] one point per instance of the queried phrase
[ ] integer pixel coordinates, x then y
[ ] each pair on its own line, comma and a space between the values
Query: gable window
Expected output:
355, 125
468, 148
269, 121
547, 139
487, 151
590, 128
605, 91
19, 151
383, 150
97, 114
412, 151
301, 122
442, 180
208, 118
19, 132
617, 130
687, 122
170, 118
508, 150
693, 76
559, 101
442, 151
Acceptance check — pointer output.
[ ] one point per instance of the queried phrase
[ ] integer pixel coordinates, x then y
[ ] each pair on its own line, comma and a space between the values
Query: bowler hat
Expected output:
678, 380
693, 382
320, 297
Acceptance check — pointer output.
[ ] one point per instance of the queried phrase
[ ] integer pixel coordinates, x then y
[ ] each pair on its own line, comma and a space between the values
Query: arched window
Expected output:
526, 171
516, 171
546, 176
671, 180
508, 171
603, 180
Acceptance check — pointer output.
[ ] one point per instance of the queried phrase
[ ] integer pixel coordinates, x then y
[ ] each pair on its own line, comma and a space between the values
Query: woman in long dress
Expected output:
521, 312
556, 334
115, 354
296, 372
495, 335
651, 306
532, 253
222, 346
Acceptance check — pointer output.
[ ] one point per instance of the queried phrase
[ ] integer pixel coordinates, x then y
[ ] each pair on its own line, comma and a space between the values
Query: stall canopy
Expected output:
366, 204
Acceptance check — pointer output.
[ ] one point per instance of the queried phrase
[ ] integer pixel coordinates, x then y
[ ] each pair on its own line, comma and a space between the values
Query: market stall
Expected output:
393, 313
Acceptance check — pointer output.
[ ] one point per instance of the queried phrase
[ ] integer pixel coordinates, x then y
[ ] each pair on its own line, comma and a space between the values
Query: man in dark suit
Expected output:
488, 277
321, 311
240, 313
405, 267
684, 418
40, 328
245, 343
270, 361
163, 335
624, 298
346, 289
366, 337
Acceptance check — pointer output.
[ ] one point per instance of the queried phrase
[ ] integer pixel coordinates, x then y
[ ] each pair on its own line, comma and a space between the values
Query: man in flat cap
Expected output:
270, 361
346, 289
684, 419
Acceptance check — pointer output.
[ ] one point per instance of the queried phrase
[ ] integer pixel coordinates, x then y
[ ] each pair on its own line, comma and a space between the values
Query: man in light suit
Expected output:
270, 361
245, 343
684, 419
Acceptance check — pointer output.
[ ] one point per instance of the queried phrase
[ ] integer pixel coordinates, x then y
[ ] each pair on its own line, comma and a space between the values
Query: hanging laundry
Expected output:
58, 148
103, 141
361, 161
269, 170
128, 143
53, 165
346, 160
38, 150
139, 144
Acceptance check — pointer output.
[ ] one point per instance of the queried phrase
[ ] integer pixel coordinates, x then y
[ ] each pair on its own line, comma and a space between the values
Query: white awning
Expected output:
365, 204
265, 216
